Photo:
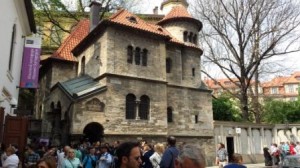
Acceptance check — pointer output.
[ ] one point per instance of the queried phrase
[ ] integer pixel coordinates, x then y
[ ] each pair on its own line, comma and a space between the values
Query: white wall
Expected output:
12, 12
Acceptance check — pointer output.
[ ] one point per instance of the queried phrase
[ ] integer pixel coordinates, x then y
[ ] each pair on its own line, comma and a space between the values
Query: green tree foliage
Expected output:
61, 14
276, 111
224, 109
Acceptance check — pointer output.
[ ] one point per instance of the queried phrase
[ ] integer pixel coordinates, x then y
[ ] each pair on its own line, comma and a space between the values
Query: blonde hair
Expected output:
159, 148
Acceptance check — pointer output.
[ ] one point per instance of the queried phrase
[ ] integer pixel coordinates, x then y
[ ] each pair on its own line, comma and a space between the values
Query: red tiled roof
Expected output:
125, 18
79, 32
177, 12
294, 78
275, 82
180, 12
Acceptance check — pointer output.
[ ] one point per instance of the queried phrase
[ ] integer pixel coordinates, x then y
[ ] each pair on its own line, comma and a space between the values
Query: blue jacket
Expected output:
168, 158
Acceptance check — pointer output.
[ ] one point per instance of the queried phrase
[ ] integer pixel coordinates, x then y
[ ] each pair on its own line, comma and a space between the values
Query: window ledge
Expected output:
9, 75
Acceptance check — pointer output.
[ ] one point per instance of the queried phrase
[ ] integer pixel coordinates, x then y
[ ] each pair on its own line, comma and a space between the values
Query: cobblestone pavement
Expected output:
259, 165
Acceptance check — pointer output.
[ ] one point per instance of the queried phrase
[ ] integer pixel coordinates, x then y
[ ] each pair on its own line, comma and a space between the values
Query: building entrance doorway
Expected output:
230, 147
93, 131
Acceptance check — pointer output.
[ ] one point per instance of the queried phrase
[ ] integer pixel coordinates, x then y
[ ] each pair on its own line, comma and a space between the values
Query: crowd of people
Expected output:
274, 154
103, 155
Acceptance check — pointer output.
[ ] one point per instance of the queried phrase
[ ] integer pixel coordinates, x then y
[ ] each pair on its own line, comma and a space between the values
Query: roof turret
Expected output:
180, 13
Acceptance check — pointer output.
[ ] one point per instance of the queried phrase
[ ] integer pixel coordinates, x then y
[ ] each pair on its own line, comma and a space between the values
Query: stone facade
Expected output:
178, 92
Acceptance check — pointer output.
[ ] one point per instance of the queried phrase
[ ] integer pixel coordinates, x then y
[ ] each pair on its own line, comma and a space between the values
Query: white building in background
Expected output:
17, 22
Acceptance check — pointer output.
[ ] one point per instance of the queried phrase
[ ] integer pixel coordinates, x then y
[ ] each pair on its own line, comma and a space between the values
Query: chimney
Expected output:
94, 14
155, 10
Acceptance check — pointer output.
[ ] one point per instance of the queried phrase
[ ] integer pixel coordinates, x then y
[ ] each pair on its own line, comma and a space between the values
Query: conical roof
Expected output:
165, 2
179, 13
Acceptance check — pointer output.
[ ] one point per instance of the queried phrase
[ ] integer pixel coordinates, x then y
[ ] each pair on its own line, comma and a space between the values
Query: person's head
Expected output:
129, 155
237, 158
66, 148
159, 148
46, 162
10, 151
221, 145
171, 141
30, 148
104, 148
190, 156
71, 153
92, 150
116, 144
146, 148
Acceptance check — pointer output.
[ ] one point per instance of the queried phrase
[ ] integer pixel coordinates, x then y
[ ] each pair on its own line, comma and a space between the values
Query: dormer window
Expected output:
132, 19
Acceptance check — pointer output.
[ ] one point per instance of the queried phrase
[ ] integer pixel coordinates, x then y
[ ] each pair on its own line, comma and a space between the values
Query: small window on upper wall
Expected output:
168, 65
195, 39
193, 71
144, 57
196, 118
137, 56
185, 36
169, 114
191, 37
129, 54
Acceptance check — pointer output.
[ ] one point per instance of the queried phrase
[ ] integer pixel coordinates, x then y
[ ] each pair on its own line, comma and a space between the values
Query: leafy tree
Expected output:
277, 111
242, 36
59, 16
224, 109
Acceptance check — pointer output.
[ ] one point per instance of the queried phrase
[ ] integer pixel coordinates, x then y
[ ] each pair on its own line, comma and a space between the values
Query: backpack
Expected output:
94, 162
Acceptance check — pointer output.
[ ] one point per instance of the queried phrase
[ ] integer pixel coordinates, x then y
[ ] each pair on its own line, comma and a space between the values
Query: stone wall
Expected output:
249, 139
177, 28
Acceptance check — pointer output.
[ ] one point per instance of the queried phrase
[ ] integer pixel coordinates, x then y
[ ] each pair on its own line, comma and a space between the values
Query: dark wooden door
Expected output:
15, 131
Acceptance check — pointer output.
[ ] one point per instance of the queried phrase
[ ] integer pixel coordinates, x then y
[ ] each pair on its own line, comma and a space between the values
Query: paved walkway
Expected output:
259, 165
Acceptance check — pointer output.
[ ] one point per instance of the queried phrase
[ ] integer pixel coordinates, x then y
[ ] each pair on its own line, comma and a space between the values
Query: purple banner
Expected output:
31, 63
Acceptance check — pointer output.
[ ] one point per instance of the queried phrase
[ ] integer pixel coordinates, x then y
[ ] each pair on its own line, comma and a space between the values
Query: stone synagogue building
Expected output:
128, 78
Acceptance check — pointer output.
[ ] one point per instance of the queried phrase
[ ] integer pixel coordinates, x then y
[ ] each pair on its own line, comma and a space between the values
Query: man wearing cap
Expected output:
105, 159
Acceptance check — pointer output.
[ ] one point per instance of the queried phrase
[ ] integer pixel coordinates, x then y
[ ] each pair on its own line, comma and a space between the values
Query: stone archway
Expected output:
93, 131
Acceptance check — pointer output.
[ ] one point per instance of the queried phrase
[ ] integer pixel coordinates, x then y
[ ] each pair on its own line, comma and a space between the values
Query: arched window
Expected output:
58, 105
191, 37
195, 39
137, 56
130, 106
168, 65
193, 71
185, 36
83, 65
129, 54
144, 57
52, 106
170, 114
144, 107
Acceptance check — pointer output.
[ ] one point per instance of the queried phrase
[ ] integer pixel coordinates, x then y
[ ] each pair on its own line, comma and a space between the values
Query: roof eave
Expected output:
197, 22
